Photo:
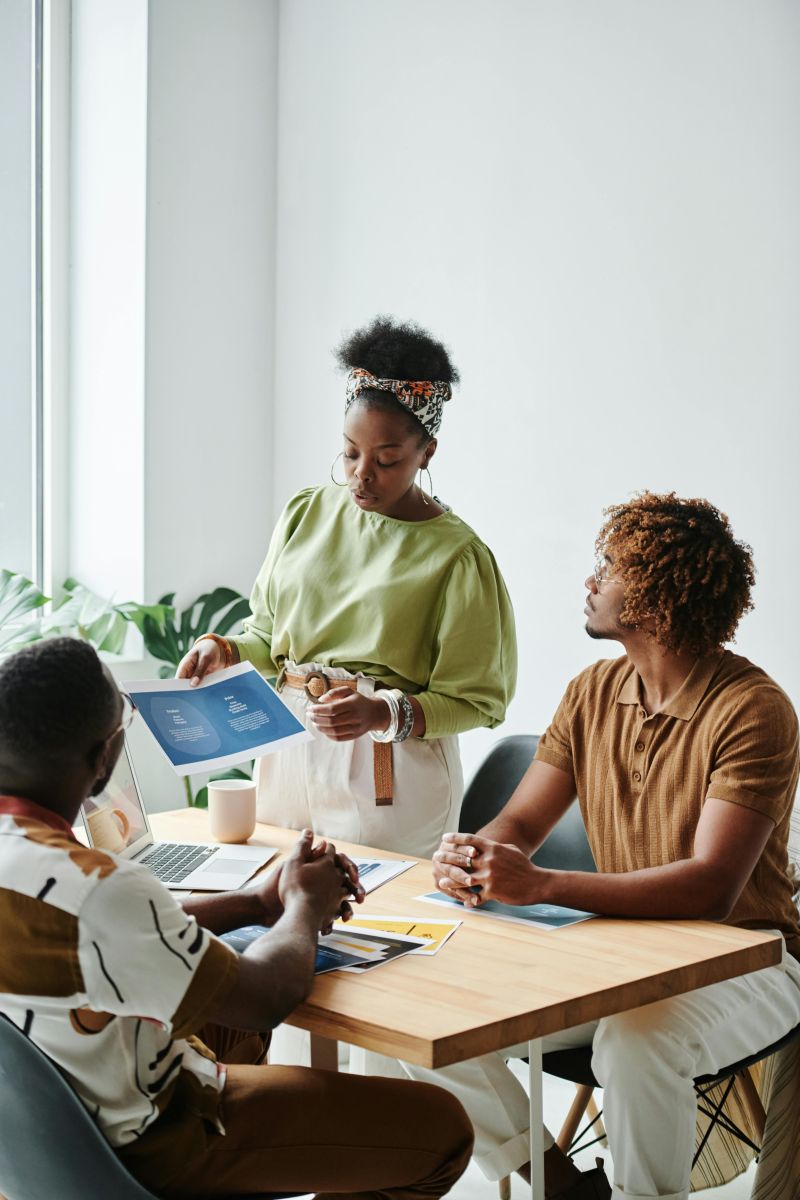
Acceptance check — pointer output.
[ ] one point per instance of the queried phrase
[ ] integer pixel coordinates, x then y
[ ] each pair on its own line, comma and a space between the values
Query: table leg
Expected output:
536, 1118
324, 1053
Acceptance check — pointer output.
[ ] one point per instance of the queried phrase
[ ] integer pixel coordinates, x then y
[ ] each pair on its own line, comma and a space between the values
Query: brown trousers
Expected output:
295, 1129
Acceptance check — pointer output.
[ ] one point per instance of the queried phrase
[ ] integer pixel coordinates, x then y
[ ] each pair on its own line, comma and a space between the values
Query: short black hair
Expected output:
392, 349
56, 701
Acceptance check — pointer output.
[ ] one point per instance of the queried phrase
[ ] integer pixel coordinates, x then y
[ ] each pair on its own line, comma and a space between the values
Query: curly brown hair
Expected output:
687, 579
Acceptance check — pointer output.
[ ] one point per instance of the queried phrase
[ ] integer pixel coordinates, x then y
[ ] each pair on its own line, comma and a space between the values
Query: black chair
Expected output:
49, 1144
566, 847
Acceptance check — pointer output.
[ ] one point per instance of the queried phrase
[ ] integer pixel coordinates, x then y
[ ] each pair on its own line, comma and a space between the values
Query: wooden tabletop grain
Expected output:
495, 983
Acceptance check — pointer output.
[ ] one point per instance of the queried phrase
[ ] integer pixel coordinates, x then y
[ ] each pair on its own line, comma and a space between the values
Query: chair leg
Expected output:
752, 1102
504, 1186
600, 1129
583, 1096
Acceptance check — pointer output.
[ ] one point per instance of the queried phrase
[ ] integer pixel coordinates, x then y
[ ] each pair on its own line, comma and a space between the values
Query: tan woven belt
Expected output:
316, 684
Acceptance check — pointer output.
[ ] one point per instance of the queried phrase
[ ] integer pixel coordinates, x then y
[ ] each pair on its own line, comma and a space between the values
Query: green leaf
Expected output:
80, 612
237, 613
137, 614
213, 603
18, 597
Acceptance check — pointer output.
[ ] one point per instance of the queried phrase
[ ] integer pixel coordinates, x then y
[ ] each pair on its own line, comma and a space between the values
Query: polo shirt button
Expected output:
640, 746
637, 775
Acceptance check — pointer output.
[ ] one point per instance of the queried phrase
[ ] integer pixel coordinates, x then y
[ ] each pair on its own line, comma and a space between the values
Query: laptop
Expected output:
116, 821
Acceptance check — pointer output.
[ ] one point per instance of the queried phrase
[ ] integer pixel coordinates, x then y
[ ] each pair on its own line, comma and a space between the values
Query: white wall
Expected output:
595, 206
212, 126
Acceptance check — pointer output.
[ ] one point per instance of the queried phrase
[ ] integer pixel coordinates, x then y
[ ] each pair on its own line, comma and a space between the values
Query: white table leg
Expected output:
536, 1118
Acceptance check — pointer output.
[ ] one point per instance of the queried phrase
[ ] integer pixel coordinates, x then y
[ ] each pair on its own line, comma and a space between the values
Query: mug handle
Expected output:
124, 823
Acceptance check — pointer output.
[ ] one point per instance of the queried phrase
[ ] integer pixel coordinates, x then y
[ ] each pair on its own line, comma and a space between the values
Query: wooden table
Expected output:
495, 984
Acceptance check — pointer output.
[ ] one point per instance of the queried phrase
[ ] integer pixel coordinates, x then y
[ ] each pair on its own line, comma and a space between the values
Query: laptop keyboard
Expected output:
171, 862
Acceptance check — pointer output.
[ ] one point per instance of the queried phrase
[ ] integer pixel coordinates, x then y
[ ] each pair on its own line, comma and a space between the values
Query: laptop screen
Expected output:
115, 820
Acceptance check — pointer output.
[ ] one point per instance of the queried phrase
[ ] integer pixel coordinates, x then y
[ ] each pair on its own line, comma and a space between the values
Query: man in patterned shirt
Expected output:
113, 979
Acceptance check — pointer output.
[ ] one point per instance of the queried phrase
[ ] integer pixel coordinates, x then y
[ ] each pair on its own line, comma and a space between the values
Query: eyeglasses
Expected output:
128, 713
600, 575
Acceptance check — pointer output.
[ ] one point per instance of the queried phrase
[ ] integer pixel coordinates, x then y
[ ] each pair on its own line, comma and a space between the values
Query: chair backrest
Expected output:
566, 848
49, 1144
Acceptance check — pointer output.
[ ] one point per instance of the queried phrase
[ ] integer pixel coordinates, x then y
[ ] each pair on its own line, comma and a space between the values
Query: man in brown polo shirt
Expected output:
684, 759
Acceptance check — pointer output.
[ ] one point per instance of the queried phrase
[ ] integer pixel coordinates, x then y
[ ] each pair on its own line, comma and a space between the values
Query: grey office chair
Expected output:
566, 847
49, 1144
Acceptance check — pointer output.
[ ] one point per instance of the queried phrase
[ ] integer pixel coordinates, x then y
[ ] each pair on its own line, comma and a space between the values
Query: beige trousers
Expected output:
329, 786
645, 1060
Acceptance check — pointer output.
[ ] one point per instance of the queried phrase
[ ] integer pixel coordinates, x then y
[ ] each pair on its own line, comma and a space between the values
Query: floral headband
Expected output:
423, 398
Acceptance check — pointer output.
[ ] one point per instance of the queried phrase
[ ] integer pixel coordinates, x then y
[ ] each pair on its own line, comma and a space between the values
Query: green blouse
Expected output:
419, 605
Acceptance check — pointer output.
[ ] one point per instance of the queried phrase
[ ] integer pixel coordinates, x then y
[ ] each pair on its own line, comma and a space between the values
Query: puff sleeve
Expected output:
474, 656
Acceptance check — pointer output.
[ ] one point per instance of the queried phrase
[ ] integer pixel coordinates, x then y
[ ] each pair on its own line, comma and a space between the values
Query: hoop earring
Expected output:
430, 485
333, 464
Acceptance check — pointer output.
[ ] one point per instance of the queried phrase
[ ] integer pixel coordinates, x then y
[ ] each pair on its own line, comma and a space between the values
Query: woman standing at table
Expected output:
383, 614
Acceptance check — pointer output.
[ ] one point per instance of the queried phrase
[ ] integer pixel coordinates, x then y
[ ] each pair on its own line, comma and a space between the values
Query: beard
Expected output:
604, 635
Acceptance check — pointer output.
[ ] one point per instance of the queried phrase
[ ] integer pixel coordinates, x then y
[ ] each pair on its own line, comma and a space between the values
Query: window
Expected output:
21, 481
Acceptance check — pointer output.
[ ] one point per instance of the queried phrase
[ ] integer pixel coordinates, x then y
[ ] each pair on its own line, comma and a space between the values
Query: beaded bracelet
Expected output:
222, 642
407, 710
389, 696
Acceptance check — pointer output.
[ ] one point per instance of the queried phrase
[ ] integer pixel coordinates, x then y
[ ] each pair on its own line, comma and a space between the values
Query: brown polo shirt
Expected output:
730, 733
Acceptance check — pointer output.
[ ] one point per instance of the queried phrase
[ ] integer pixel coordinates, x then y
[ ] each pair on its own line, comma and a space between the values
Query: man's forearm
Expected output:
276, 972
509, 832
685, 889
225, 911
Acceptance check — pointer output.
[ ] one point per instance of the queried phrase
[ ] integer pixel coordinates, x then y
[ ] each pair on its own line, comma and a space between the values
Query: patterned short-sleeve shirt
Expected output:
105, 972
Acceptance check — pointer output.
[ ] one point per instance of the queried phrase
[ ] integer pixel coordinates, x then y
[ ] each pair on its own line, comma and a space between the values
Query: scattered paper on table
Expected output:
374, 872
340, 950
540, 916
330, 956
435, 933
374, 949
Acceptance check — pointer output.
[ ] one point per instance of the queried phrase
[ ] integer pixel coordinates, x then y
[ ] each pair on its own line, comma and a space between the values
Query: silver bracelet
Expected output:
407, 710
388, 735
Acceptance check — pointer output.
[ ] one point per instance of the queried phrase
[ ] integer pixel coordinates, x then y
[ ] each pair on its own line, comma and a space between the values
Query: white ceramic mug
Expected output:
110, 828
231, 809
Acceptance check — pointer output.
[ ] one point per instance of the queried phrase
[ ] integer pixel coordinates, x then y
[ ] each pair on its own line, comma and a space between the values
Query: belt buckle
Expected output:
323, 680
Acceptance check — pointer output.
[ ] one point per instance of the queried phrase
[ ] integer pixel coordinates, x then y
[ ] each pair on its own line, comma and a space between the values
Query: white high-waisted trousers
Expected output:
329, 786
646, 1061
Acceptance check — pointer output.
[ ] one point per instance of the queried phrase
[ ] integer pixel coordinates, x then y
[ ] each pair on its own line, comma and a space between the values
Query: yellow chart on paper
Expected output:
435, 933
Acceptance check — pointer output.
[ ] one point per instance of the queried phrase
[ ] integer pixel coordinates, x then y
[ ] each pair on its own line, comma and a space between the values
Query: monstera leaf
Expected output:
79, 612
169, 639
19, 597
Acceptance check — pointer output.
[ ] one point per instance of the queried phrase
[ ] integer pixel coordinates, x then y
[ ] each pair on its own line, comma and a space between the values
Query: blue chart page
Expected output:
328, 958
542, 916
233, 716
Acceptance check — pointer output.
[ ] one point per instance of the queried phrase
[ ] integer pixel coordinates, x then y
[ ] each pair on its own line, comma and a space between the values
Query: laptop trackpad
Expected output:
217, 865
